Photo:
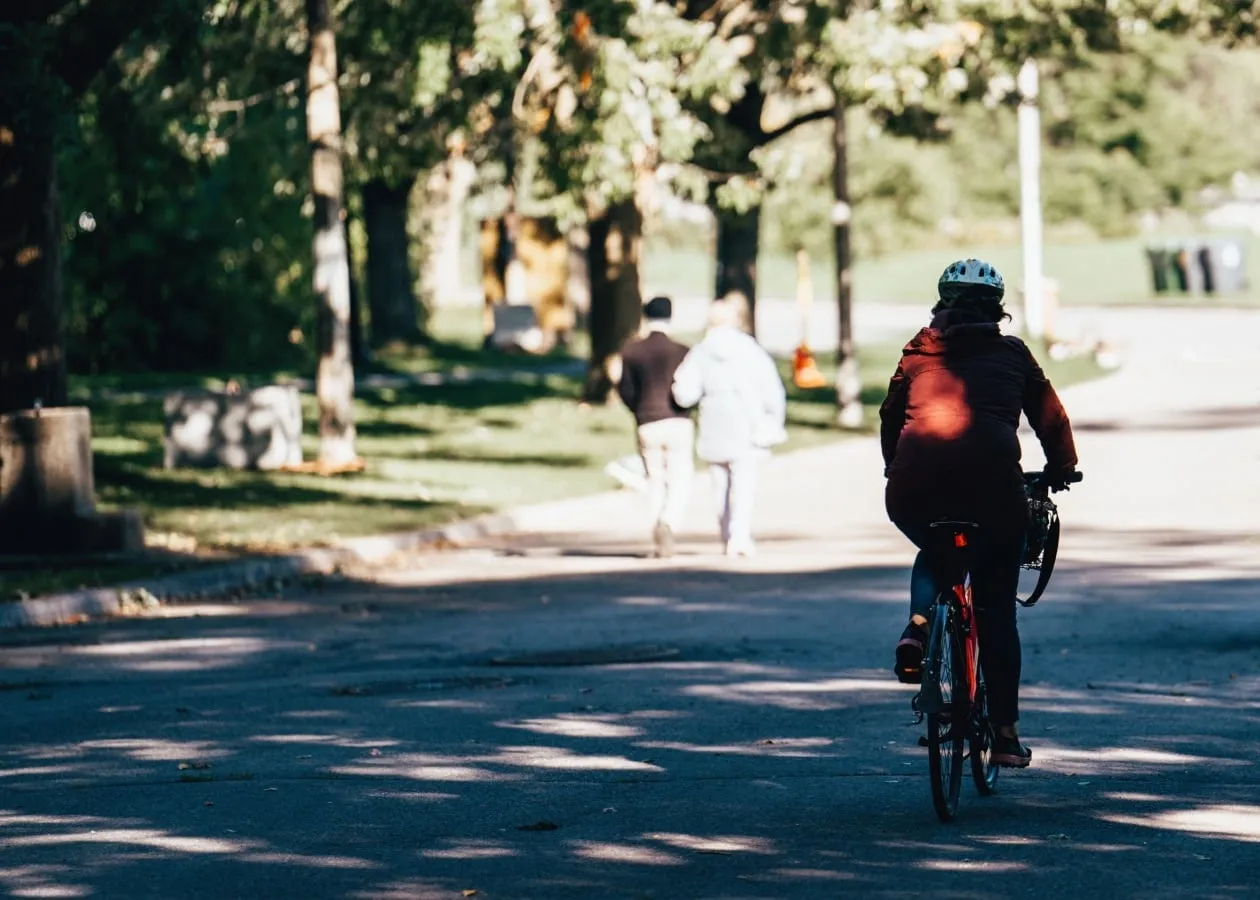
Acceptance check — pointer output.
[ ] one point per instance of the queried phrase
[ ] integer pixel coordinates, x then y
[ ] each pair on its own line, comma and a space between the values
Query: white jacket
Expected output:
743, 405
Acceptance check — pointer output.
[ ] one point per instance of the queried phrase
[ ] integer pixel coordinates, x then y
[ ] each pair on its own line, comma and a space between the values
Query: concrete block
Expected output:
253, 429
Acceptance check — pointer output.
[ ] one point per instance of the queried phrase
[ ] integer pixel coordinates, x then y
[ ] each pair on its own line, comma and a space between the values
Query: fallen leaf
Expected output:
193, 765
208, 803
538, 826
767, 741
469, 893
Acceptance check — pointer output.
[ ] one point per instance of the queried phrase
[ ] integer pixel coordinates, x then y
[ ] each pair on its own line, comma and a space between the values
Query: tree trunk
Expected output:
445, 198
390, 282
616, 297
360, 354
32, 339
738, 234
848, 379
334, 379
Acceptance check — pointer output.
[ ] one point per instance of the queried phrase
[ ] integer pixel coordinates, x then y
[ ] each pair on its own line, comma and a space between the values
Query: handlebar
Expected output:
1036, 481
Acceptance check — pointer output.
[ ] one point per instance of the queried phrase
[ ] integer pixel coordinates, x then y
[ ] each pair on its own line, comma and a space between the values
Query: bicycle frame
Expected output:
966, 612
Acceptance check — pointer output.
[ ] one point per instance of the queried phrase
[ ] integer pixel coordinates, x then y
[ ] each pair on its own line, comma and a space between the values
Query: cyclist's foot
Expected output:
1009, 753
909, 665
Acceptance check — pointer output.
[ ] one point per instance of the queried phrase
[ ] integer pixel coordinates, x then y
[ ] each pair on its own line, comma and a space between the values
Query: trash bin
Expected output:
1159, 259
1187, 270
1223, 264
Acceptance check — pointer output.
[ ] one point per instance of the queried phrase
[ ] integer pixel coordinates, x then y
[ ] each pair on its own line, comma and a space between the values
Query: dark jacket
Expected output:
647, 377
948, 427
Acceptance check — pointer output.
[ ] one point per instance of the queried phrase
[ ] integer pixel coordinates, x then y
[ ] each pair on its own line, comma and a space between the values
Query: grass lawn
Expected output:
1103, 273
434, 454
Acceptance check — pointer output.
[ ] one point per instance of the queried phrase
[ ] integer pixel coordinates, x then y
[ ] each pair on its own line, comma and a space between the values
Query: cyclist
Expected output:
951, 451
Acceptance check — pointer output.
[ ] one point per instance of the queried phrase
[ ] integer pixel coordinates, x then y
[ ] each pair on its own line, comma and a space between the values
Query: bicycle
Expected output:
952, 692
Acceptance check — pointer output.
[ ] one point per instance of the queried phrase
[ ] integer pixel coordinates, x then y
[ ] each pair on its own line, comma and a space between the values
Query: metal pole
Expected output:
848, 378
1030, 197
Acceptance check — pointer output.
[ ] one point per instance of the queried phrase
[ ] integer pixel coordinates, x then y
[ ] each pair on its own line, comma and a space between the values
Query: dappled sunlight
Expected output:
329, 740
1122, 760
314, 714
409, 889
968, 865
142, 837
151, 750
603, 851
721, 668
33, 771
41, 881
315, 862
422, 767
715, 843
194, 611
9, 819
470, 848
572, 725
563, 758
1236, 822
426, 767
1069, 709
787, 748
800, 695
181, 655
412, 796
812, 874
469, 705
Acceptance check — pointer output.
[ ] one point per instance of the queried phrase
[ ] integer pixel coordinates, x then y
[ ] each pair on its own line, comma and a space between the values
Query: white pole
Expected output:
1030, 196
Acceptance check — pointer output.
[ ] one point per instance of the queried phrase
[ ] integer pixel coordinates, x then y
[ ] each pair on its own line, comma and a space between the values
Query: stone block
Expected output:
516, 327
47, 492
109, 532
252, 429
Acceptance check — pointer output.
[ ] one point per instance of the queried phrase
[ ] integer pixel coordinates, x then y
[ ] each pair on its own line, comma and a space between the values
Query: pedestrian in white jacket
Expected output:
743, 408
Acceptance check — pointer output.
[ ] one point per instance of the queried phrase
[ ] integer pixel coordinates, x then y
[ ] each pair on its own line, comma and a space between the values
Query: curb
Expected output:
104, 602
77, 606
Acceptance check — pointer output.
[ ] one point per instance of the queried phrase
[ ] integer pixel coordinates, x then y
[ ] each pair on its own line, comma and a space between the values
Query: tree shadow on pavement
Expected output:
698, 732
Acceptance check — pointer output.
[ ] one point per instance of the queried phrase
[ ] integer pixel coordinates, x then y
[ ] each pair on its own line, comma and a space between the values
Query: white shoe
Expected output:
745, 549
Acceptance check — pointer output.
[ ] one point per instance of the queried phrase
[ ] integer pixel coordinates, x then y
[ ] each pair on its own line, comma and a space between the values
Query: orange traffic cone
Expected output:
805, 372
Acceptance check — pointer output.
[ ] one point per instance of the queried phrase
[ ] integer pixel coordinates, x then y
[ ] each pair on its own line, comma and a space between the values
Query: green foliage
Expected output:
186, 240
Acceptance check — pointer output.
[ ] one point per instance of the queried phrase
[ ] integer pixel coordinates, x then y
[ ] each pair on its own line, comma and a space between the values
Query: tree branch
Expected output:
34, 11
813, 115
90, 36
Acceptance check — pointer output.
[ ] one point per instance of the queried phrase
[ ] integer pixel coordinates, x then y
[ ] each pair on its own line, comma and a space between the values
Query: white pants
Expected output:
734, 490
666, 448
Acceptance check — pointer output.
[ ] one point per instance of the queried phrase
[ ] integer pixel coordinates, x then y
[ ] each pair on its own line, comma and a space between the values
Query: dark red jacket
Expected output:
949, 424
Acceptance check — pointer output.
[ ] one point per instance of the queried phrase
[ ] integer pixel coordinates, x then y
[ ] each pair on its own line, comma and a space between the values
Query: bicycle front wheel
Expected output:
947, 726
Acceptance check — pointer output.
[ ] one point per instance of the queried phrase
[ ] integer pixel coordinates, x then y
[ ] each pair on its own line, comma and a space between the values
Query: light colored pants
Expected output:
666, 448
734, 490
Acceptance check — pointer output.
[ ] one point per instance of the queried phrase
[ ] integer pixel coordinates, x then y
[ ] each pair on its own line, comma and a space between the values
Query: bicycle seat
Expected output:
956, 526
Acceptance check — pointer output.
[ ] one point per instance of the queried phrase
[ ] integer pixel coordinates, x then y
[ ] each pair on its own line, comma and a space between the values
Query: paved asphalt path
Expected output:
554, 716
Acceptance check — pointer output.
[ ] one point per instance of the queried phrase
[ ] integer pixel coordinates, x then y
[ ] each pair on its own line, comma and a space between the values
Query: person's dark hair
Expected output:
658, 309
980, 301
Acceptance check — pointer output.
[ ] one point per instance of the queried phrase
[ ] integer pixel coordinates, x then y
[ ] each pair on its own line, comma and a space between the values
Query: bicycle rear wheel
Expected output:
983, 771
948, 723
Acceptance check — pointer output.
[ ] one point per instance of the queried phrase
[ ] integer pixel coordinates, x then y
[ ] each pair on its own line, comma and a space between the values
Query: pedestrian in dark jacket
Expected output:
665, 430
951, 450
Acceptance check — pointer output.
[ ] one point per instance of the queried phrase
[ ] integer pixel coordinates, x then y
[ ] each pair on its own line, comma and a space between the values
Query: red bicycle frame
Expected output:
966, 612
